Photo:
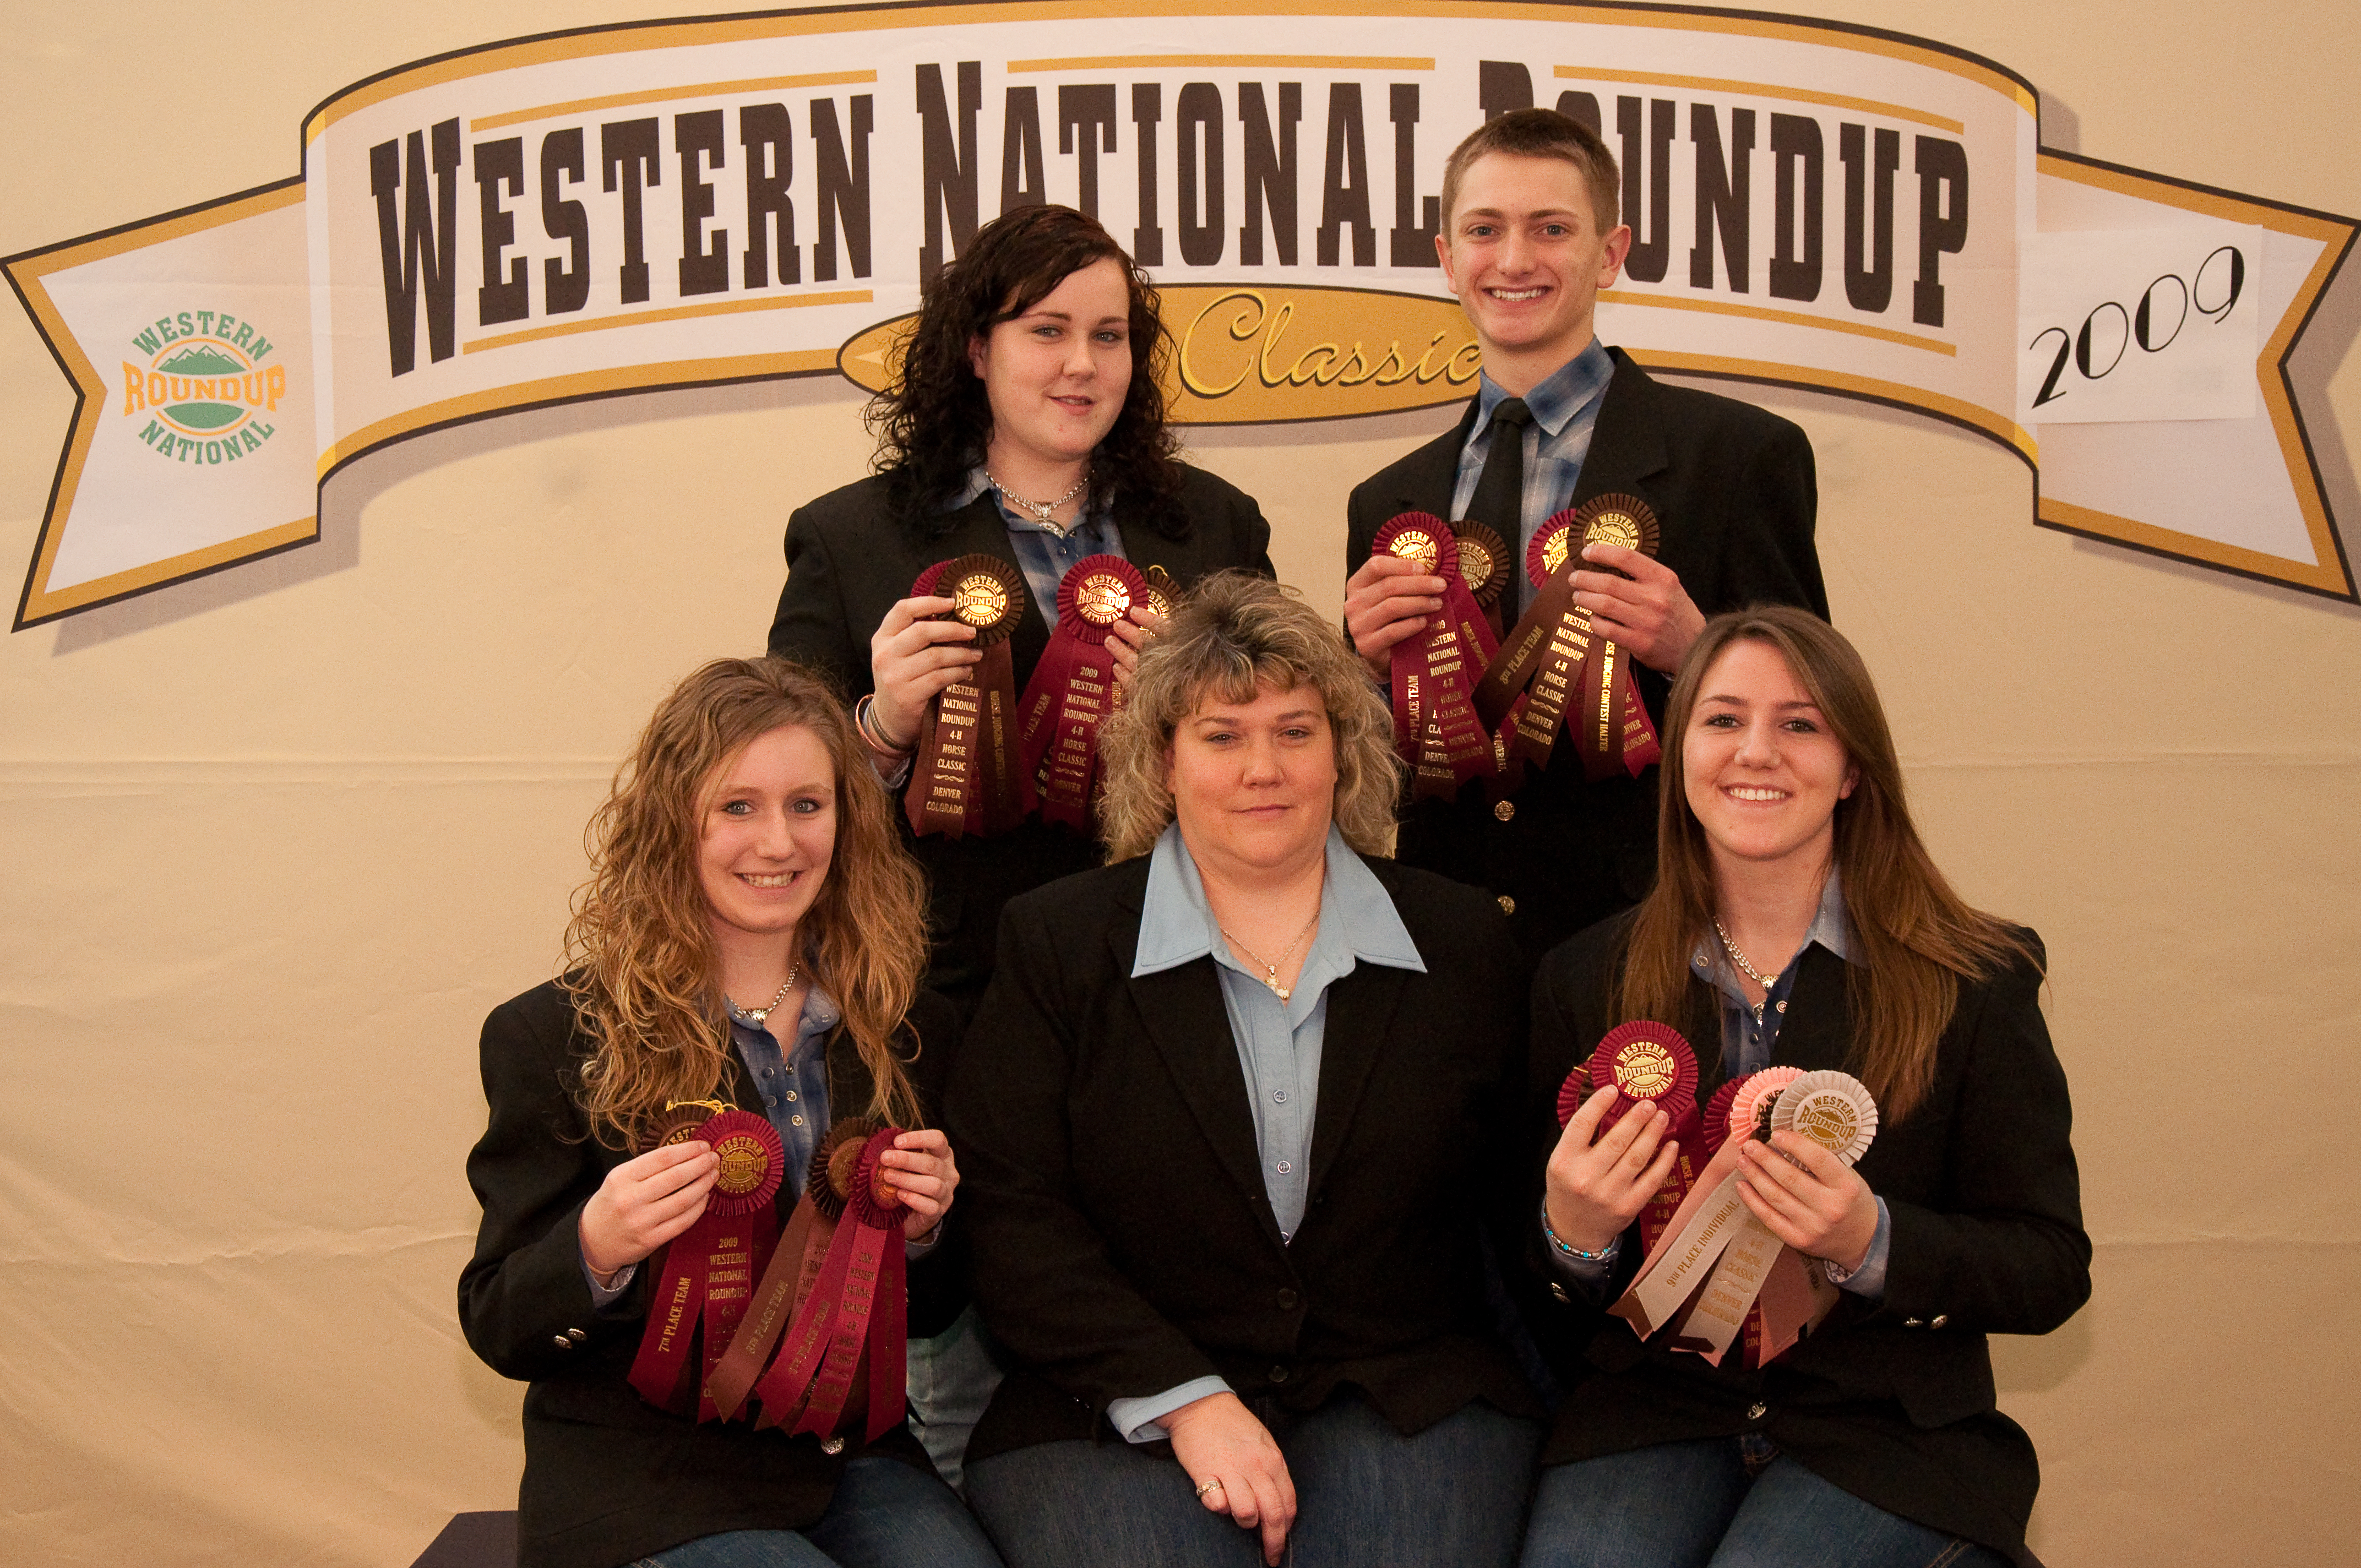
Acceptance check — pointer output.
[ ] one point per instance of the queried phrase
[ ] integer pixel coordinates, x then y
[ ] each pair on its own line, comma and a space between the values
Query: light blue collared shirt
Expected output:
1566, 411
1747, 1041
1279, 1043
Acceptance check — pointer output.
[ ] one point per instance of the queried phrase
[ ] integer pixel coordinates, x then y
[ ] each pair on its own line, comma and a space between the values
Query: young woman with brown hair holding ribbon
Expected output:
1798, 920
742, 966
1027, 497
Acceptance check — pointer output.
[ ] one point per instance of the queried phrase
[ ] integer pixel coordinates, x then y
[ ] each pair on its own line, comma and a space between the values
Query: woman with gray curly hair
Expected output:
1236, 1112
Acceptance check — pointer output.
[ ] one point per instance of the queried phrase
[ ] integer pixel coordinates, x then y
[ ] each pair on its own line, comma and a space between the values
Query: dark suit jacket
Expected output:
1733, 488
1892, 1400
608, 1477
1124, 1240
849, 560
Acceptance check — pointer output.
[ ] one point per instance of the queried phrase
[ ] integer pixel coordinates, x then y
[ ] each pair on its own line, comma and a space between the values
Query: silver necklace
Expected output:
763, 1014
1756, 975
1040, 509
1271, 978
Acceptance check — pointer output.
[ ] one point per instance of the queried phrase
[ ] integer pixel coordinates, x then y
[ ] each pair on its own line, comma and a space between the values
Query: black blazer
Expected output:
1893, 1401
1124, 1241
849, 559
609, 1478
1734, 489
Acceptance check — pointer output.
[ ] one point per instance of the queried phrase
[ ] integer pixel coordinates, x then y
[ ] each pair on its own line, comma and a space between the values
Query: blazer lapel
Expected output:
1181, 1011
1359, 1030
1429, 474
1627, 443
1818, 1026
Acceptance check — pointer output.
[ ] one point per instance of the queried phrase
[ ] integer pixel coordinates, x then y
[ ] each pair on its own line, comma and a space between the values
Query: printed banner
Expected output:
676, 203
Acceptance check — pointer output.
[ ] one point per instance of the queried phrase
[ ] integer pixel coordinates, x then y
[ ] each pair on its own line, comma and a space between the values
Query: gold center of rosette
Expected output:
1829, 1120
1555, 547
1103, 598
1645, 1070
1417, 544
1613, 528
1475, 563
980, 600
745, 1163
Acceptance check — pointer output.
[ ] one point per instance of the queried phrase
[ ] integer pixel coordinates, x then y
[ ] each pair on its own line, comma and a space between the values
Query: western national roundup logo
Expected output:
205, 390
618, 209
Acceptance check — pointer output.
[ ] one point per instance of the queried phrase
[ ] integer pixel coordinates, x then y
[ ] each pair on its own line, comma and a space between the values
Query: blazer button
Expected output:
1757, 1410
1507, 904
1506, 810
1912, 1323
1558, 1291
577, 1335
1279, 1374
1287, 1299
561, 1342
1938, 1320
832, 1446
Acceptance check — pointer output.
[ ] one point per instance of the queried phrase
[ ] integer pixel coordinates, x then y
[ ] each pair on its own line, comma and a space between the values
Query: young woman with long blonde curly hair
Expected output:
753, 932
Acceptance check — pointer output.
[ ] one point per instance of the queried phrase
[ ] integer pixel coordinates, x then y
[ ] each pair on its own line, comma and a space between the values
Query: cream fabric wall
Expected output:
275, 841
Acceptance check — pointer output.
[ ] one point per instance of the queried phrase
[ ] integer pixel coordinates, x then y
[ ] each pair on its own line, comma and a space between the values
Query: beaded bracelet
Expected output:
1601, 1256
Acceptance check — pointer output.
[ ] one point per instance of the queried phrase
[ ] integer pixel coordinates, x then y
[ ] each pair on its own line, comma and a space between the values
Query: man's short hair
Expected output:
1539, 133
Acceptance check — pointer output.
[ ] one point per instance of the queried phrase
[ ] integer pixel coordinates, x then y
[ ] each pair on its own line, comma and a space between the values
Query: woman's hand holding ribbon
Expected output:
1236, 1467
1594, 1190
923, 1176
1809, 1198
644, 1203
1129, 638
911, 660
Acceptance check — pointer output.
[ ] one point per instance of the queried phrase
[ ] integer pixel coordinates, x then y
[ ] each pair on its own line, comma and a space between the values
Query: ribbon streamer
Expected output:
1072, 687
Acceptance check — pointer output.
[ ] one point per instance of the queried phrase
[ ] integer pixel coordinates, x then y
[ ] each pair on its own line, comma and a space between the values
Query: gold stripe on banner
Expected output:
669, 314
1897, 394
39, 602
2330, 572
568, 388
1213, 62
632, 37
1787, 318
667, 95
1760, 90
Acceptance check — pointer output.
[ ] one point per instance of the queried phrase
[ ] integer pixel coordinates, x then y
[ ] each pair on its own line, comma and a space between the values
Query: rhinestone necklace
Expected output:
1040, 509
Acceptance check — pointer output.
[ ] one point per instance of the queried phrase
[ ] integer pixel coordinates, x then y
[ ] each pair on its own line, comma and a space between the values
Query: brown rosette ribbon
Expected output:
1434, 672
1483, 567
1163, 593
851, 1304
966, 778
1072, 688
705, 1275
1569, 677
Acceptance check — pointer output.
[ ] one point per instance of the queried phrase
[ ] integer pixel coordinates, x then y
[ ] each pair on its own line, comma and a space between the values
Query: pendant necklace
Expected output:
1271, 978
1040, 509
761, 1015
1756, 975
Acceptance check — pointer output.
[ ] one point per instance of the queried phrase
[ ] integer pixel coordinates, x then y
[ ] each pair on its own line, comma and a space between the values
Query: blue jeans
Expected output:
885, 1514
1451, 1497
950, 1380
1685, 1505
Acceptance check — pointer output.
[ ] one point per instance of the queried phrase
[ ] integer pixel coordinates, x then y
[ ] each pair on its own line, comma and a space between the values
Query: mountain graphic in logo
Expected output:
202, 361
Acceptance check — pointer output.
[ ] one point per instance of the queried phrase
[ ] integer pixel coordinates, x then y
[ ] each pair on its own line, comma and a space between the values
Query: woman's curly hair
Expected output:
641, 965
932, 426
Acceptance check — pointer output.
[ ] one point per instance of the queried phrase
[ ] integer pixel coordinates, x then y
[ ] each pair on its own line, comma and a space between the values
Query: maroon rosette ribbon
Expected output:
854, 1317
1434, 670
705, 1275
1072, 688
965, 777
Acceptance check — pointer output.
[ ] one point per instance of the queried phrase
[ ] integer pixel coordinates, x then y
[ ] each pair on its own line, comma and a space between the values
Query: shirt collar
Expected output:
1562, 394
820, 1014
1831, 927
1356, 916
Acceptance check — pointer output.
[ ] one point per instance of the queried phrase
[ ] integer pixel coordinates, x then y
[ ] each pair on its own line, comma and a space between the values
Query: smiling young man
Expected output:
1531, 236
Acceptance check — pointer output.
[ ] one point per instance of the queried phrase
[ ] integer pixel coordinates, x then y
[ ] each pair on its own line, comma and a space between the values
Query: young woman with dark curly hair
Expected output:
1028, 423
